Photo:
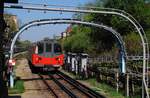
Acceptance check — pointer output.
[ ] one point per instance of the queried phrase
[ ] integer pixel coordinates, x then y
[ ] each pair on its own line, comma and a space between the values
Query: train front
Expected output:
48, 54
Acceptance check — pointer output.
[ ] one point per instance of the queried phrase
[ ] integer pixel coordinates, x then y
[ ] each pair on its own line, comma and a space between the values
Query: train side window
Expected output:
48, 47
40, 48
57, 48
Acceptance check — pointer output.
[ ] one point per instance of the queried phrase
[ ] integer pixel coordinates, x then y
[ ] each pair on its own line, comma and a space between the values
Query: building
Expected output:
66, 33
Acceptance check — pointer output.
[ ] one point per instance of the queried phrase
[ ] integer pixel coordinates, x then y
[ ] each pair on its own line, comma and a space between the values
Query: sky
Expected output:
38, 33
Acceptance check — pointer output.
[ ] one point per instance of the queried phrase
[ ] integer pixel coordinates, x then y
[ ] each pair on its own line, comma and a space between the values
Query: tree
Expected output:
23, 44
137, 8
102, 40
79, 40
12, 27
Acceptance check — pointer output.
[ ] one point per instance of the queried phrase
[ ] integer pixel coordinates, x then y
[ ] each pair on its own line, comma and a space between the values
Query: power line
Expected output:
53, 5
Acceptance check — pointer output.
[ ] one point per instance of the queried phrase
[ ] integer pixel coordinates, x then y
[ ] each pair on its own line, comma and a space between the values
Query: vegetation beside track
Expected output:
18, 87
102, 88
21, 55
108, 90
95, 41
19, 84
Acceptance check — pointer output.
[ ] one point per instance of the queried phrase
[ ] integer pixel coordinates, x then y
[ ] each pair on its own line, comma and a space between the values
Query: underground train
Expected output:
46, 55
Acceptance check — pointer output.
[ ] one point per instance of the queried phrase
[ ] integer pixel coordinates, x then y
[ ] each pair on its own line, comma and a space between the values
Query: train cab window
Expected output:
40, 48
48, 47
57, 48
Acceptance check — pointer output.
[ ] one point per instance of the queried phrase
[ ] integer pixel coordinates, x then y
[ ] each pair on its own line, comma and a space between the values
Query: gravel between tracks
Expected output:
34, 87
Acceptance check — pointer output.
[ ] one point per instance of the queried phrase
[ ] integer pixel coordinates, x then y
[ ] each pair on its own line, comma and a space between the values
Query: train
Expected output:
45, 55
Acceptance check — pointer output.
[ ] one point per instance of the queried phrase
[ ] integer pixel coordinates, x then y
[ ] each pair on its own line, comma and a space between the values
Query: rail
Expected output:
80, 86
49, 88
70, 93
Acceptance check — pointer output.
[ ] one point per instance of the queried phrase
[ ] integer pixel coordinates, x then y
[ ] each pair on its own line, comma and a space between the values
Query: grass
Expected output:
19, 84
102, 88
21, 55
105, 89
18, 88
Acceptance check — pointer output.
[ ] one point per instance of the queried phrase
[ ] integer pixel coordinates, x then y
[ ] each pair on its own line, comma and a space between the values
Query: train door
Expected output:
57, 49
48, 49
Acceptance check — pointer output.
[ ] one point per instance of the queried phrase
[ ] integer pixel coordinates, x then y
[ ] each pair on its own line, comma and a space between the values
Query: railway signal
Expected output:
11, 64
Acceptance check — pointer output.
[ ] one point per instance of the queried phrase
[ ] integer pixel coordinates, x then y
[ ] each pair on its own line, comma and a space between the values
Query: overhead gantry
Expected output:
109, 11
72, 21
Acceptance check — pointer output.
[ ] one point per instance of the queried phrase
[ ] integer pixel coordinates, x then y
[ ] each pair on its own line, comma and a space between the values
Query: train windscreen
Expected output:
48, 47
40, 48
57, 48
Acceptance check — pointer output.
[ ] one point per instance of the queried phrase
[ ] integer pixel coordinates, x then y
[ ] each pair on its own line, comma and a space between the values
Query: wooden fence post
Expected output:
127, 85
117, 82
132, 86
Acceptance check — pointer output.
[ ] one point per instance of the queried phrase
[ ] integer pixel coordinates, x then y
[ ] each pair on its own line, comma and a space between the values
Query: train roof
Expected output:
46, 40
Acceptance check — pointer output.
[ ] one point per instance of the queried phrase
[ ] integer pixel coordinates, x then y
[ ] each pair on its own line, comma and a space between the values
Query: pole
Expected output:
127, 84
3, 88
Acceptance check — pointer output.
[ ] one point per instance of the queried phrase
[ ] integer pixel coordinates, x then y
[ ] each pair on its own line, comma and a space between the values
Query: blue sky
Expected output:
38, 33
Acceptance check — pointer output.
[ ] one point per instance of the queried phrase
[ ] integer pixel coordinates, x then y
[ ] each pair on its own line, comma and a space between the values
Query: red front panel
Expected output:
56, 60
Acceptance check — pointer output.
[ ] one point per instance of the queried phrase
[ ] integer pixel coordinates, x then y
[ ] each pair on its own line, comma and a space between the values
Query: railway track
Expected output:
50, 89
62, 86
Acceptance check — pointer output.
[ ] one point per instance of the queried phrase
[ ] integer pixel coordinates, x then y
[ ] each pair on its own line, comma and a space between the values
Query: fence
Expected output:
87, 67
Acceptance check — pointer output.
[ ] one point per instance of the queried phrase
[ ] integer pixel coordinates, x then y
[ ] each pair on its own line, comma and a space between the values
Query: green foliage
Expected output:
23, 44
148, 35
104, 41
108, 91
79, 40
20, 55
137, 8
18, 88
136, 46
95, 66
12, 26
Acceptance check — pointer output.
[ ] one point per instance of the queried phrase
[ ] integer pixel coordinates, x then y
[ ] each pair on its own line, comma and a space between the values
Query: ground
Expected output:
34, 87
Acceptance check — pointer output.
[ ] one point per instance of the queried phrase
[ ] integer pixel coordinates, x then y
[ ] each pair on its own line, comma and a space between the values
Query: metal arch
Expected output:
106, 11
99, 11
111, 11
65, 21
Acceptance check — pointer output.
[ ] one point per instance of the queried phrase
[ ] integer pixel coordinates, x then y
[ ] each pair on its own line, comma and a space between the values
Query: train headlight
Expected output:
12, 62
58, 59
38, 59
